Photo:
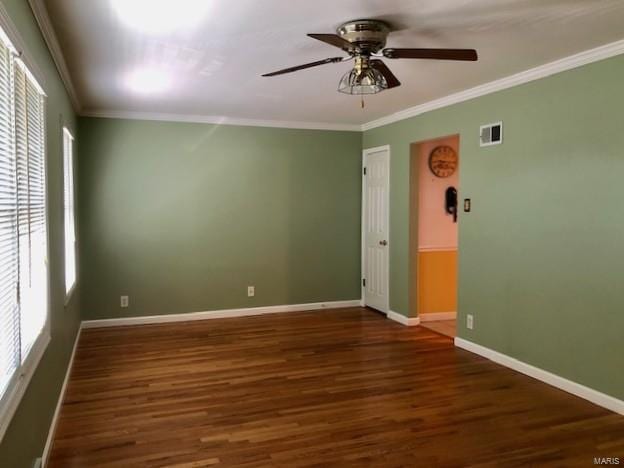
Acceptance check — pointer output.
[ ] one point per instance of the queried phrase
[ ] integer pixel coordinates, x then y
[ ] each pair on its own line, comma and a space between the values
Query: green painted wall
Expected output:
540, 255
183, 217
25, 438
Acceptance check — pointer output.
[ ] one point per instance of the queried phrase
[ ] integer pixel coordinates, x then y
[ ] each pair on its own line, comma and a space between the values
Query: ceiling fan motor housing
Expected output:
364, 40
367, 36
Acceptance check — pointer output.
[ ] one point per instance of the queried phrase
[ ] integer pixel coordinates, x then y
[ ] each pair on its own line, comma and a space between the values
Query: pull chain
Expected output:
362, 102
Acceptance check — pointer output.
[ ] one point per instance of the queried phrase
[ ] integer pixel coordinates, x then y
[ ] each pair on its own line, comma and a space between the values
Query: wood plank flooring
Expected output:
326, 388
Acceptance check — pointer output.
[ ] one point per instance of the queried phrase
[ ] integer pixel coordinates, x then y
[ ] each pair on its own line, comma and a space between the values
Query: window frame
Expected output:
18, 383
67, 133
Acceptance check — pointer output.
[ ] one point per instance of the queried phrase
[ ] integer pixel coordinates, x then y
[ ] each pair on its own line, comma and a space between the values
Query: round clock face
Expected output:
443, 161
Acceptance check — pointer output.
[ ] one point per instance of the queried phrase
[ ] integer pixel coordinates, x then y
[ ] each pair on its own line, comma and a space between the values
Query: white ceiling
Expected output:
217, 62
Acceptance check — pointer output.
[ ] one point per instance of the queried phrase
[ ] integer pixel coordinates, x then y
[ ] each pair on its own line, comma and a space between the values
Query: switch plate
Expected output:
469, 322
467, 205
251, 291
124, 301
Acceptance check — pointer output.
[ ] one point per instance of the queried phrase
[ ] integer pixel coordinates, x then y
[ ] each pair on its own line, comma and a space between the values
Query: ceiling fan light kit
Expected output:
364, 40
362, 79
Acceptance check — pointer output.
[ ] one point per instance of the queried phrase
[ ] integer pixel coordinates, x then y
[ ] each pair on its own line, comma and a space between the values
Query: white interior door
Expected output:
375, 228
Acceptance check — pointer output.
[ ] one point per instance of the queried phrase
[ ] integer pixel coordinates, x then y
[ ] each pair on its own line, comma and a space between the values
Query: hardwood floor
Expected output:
325, 388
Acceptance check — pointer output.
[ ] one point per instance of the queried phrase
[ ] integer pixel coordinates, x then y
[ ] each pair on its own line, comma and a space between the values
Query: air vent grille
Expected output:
491, 134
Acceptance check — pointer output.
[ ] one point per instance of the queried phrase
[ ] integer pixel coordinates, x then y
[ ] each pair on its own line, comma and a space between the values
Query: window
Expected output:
23, 229
68, 202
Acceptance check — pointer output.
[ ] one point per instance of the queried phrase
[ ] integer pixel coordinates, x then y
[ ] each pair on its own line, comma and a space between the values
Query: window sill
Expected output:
11, 400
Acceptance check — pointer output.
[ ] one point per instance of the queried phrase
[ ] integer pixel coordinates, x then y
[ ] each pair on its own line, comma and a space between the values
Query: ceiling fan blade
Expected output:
435, 54
304, 66
333, 39
392, 80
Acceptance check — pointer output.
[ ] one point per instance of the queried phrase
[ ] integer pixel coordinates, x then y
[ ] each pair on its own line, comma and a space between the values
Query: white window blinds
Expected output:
68, 197
23, 223
9, 311
31, 203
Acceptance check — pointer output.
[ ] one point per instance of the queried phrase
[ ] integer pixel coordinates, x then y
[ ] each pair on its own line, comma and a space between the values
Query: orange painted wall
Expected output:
436, 229
437, 235
437, 281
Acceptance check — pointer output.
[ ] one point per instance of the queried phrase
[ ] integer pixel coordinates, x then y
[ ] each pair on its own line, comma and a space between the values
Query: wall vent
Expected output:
491, 134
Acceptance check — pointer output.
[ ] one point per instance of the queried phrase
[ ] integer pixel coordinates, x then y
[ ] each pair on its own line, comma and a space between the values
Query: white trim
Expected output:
68, 135
366, 152
436, 316
568, 63
59, 403
17, 388
69, 294
18, 46
220, 120
40, 12
403, 320
362, 257
542, 71
215, 314
5, 24
442, 248
589, 394
376, 149
67, 132
14, 392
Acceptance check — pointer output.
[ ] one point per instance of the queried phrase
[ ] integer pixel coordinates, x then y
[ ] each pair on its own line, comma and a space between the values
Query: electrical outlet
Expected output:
469, 322
251, 291
124, 301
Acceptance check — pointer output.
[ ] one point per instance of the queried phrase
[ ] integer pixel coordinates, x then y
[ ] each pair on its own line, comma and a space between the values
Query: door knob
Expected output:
383, 242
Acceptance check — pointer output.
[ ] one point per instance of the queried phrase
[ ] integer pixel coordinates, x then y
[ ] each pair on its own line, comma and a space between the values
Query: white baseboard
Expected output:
436, 316
402, 319
214, 314
175, 318
59, 403
566, 385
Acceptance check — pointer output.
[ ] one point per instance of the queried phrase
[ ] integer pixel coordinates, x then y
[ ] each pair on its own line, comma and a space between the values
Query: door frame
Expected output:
414, 221
365, 153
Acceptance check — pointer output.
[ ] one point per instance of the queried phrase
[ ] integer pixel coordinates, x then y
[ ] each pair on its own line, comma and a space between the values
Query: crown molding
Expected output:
40, 12
552, 68
219, 120
568, 63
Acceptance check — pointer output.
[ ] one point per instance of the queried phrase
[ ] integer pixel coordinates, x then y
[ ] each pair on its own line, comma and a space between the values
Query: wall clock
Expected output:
443, 161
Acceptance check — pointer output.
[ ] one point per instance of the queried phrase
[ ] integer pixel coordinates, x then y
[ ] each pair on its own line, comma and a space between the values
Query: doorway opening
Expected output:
434, 186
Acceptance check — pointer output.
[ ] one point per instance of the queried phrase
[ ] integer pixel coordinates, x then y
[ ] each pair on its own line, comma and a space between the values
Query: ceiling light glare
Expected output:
148, 81
160, 16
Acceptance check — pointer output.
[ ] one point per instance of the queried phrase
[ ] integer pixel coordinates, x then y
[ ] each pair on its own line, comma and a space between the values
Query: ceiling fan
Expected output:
363, 40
